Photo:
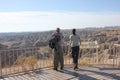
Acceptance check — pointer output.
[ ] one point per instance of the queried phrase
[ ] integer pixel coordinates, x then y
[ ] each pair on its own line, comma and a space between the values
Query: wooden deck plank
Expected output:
84, 73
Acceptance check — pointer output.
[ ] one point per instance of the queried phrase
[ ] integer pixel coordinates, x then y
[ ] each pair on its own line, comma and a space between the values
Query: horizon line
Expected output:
62, 29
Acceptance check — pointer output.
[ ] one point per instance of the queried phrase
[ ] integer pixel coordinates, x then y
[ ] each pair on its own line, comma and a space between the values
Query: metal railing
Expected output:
29, 59
21, 60
116, 55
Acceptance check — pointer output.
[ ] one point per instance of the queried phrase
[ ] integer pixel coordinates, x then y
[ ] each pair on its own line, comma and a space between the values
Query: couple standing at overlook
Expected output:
74, 41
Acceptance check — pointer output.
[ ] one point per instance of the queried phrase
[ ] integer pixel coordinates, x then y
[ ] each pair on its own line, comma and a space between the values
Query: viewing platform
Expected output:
93, 72
36, 63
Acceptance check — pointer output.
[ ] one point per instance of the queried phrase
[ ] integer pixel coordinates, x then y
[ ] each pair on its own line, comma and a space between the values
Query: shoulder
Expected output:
77, 35
60, 33
71, 36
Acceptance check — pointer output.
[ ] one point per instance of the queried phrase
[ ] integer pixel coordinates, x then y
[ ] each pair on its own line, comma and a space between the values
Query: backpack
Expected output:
54, 40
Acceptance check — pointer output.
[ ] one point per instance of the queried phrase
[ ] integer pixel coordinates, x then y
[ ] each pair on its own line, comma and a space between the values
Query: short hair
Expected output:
74, 31
58, 29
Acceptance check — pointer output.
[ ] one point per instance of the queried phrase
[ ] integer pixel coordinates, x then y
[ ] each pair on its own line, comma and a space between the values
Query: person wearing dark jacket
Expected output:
58, 53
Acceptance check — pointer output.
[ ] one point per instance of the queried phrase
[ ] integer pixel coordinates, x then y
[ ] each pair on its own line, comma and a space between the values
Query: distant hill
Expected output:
31, 39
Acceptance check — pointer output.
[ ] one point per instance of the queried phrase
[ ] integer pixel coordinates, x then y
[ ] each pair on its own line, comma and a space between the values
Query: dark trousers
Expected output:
58, 57
75, 53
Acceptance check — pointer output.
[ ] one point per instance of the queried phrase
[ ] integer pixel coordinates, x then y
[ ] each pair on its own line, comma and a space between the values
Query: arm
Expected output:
80, 41
70, 42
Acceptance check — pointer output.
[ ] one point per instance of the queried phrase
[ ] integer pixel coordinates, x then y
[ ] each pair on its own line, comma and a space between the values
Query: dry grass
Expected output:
31, 61
84, 62
20, 61
119, 64
28, 62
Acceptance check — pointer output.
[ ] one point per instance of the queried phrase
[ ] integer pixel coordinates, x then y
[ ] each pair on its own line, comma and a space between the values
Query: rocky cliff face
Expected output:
3, 47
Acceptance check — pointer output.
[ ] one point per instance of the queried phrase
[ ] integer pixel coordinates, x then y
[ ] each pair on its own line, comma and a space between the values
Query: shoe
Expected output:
55, 69
76, 68
61, 68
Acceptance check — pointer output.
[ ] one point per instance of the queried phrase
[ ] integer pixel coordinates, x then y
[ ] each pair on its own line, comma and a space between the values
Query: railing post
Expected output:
114, 52
0, 67
97, 55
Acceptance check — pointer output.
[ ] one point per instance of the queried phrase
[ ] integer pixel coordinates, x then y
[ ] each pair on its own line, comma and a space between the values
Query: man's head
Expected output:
74, 31
58, 30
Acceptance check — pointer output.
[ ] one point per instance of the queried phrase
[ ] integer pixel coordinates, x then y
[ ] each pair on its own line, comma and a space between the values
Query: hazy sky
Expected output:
43, 15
